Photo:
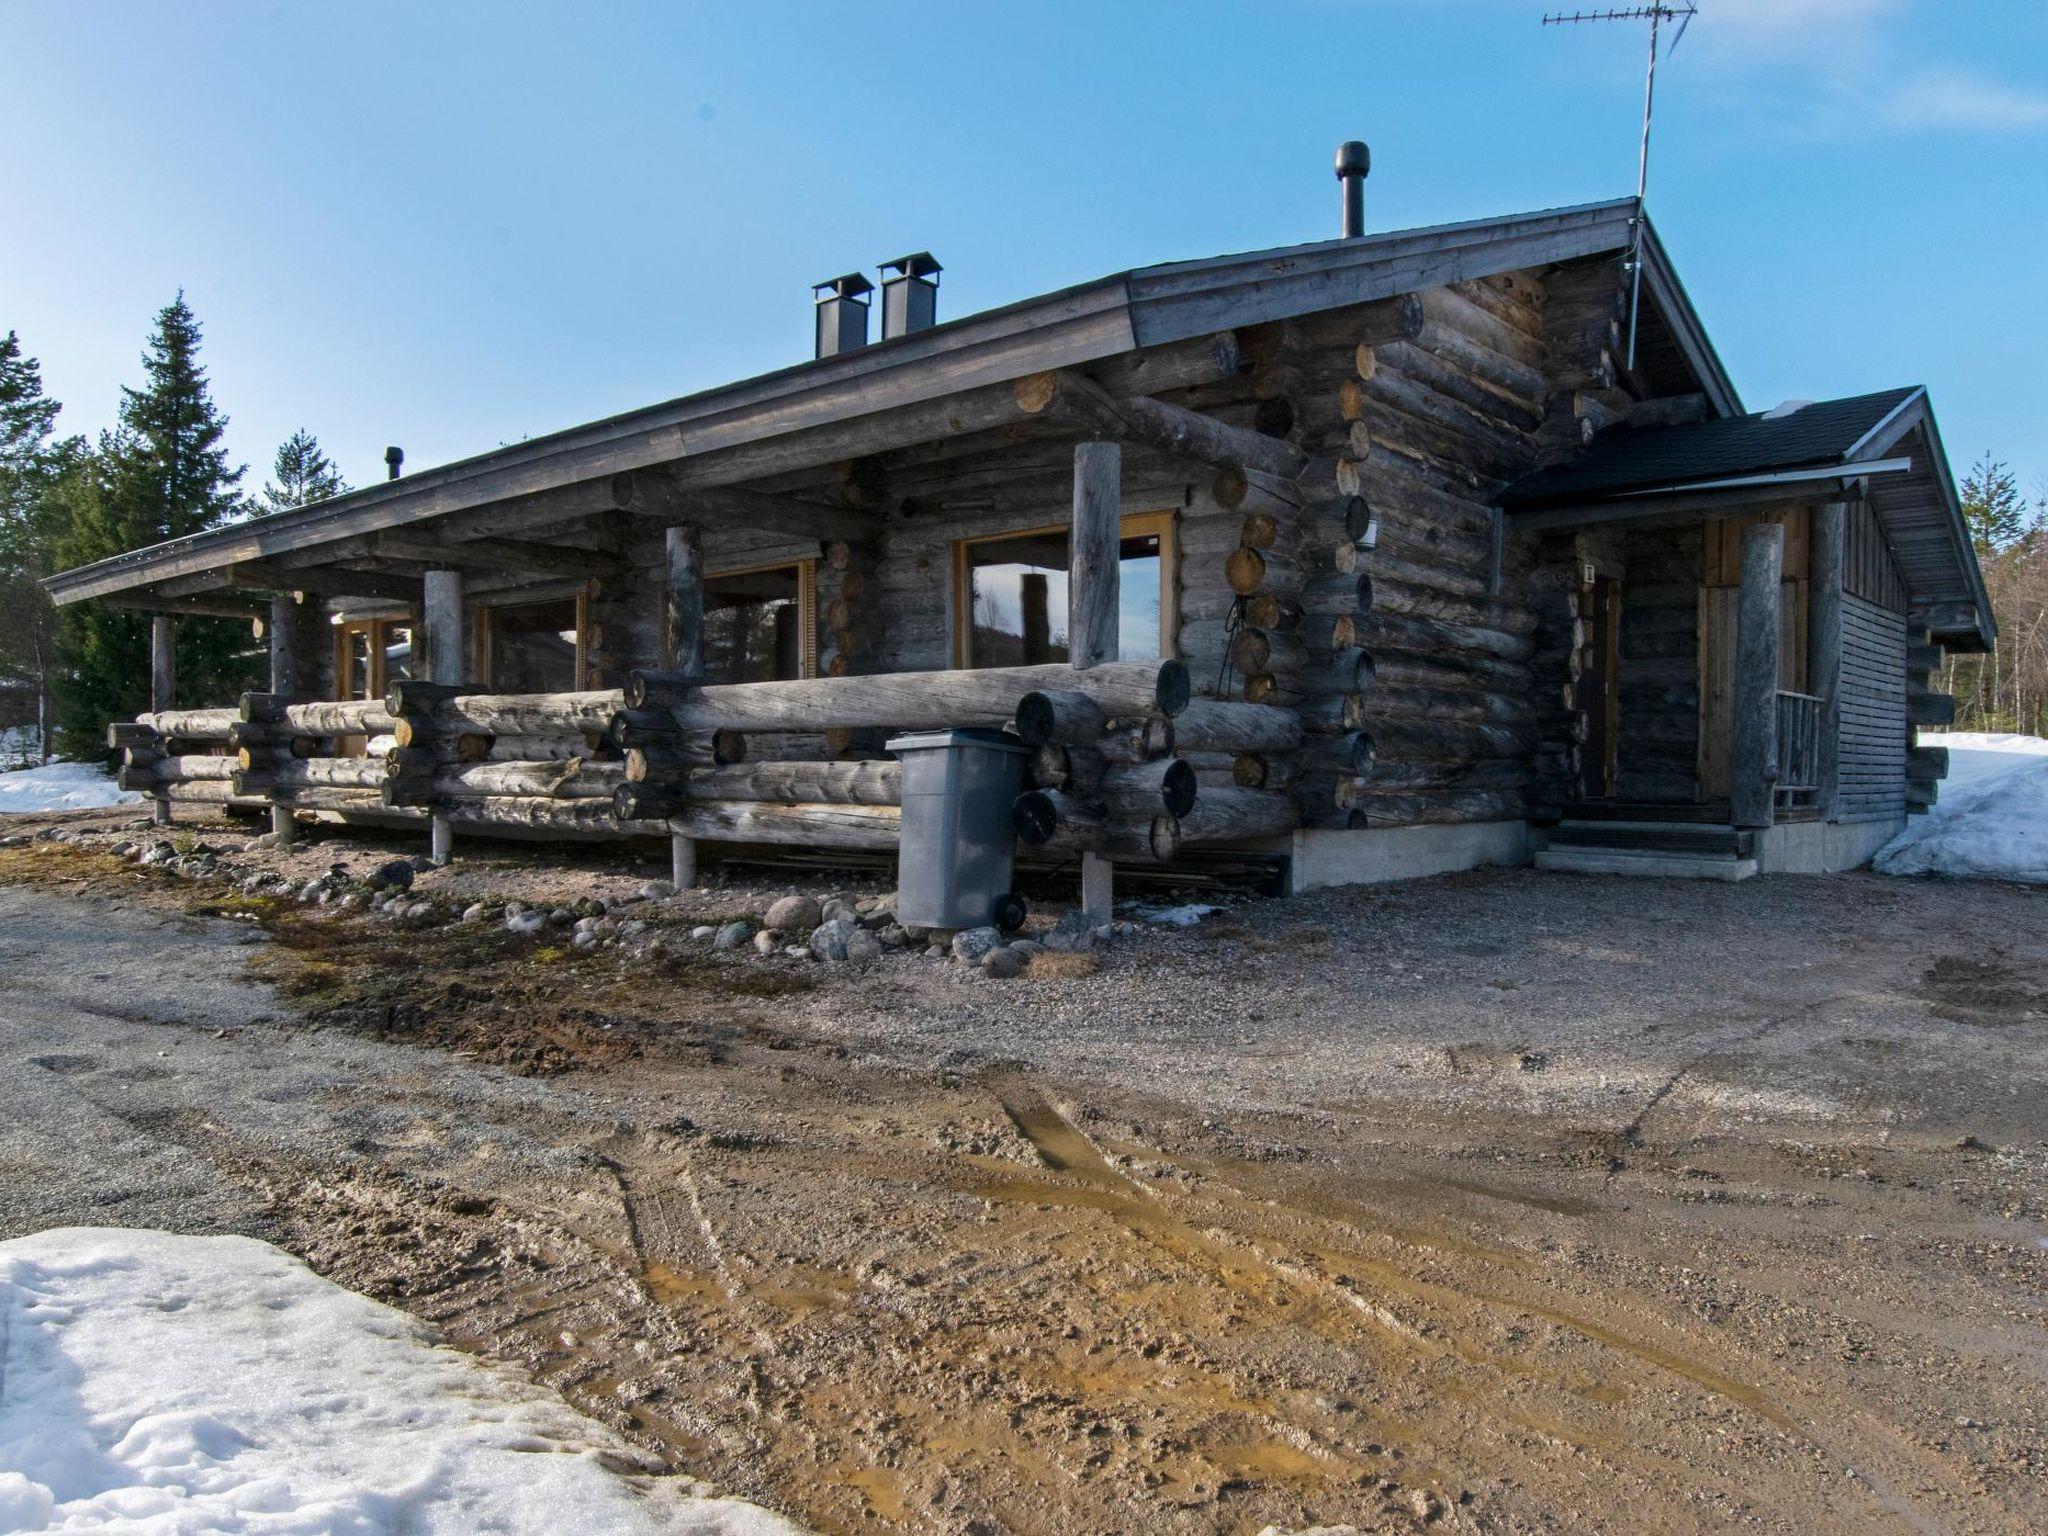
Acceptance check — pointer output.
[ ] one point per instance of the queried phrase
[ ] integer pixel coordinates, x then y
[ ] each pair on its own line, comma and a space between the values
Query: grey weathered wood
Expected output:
1171, 429
190, 724
1753, 774
163, 662
806, 826
683, 600
1827, 541
443, 631
1093, 587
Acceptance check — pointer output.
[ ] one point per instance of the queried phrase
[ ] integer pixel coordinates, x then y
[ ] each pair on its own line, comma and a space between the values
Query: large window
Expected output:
535, 647
758, 625
370, 655
1010, 595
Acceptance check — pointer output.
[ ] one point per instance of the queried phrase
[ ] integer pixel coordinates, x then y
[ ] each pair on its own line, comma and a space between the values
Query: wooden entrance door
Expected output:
1720, 594
1599, 687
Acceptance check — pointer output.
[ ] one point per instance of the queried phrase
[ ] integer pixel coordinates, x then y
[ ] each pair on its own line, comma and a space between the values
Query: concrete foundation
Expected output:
1820, 847
1321, 856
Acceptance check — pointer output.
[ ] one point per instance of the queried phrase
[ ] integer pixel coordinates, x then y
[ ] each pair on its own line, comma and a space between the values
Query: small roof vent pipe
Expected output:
910, 294
842, 314
1354, 164
394, 458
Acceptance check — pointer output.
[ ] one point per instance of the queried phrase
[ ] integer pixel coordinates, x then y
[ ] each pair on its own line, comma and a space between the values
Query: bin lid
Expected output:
970, 736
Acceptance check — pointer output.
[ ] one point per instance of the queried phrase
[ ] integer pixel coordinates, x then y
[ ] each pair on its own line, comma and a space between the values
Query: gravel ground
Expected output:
1496, 1202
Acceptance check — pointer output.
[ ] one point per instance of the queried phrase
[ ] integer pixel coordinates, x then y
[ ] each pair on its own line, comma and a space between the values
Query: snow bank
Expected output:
161, 1385
1991, 820
61, 787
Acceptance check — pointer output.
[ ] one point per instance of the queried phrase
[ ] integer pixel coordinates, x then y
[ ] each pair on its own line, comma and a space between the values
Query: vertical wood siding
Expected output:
1874, 730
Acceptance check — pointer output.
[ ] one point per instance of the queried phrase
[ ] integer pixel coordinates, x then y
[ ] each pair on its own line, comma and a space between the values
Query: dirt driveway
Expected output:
1504, 1202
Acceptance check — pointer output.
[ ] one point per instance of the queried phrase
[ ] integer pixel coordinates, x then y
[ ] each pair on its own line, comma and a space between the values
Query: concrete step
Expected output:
1655, 836
1627, 861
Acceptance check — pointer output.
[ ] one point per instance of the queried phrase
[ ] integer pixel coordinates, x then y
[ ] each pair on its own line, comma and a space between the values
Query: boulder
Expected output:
393, 874
1002, 963
794, 914
766, 943
703, 931
974, 944
829, 939
839, 910
657, 890
1073, 934
526, 922
732, 935
862, 947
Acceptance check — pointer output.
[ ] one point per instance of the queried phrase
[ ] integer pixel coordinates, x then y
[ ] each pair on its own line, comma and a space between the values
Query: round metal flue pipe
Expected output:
1354, 164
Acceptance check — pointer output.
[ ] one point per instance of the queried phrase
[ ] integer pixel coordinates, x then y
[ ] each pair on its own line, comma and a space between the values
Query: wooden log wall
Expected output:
1660, 673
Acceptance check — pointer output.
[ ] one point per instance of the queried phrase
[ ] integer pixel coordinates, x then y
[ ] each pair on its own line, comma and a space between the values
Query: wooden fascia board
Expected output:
1679, 505
1177, 302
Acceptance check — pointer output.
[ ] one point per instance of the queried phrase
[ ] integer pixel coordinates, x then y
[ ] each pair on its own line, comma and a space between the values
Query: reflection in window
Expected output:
356, 661
533, 647
753, 626
1017, 592
397, 640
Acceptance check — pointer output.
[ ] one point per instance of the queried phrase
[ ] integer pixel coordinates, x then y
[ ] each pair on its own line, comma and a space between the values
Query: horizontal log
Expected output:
130, 733
1231, 815
1213, 725
511, 714
822, 783
1170, 429
190, 724
351, 717
1440, 808
1059, 715
1937, 709
807, 826
928, 700
1063, 823
1145, 789
1401, 739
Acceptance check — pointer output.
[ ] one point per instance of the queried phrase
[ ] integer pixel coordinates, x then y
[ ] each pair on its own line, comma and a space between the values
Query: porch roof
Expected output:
898, 392
1886, 442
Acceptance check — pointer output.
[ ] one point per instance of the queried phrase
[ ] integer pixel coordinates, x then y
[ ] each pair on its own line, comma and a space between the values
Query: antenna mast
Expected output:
1656, 15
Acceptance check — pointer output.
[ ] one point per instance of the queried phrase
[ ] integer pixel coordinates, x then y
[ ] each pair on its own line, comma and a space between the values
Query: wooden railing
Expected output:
1798, 749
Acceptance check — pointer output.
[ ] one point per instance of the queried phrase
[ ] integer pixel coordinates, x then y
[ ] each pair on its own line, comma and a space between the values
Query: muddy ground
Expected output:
1501, 1202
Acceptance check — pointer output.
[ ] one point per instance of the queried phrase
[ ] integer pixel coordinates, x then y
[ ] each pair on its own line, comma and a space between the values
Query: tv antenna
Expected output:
1656, 16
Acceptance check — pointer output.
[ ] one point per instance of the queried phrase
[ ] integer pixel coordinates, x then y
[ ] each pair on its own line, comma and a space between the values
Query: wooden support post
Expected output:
1824, 644
284, 682
1092, 569
683, 625
163, 687
1754, 777
1094, 596
447, 662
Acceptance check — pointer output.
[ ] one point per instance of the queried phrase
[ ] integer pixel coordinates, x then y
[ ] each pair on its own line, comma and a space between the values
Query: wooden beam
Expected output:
730, 505
513, 556
1093, 555
1753, 776
1171, 429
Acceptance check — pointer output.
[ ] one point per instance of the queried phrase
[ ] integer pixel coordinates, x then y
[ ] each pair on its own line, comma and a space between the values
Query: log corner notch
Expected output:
1174, 430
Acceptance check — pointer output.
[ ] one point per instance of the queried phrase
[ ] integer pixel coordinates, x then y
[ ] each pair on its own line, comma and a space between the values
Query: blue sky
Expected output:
450, 226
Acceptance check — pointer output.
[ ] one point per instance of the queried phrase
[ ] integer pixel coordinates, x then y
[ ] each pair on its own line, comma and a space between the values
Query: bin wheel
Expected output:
1007, 912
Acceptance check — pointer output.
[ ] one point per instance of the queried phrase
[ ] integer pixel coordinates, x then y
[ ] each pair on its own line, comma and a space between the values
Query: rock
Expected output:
393, 874
828, 939
562, 917
160, 853
1073, 934
895, 936
797, 952
876, 918
526, 922
474, 912
585, 924
657, 890
632, 928
766, 943
1002, 963
584, 940
794, 914
916, 935
974, 944
838, 910
1104, 934
936, 951
862, 947
703, 931
732, 936
1027, 947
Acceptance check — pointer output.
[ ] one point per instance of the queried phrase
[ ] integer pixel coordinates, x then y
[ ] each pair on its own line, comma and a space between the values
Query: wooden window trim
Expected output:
484, 644
806, 602
1162, 524
375, 629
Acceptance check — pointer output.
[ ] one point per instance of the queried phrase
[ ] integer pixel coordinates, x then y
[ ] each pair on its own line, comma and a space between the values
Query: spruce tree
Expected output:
303, 474
29, 465
1992, 505
163, 473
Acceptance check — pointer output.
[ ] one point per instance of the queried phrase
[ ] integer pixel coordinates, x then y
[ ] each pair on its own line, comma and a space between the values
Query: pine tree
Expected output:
29, 465
303, 473
161, 474
1992, 505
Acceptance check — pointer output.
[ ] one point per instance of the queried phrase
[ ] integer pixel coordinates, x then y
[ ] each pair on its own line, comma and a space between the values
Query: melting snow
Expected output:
1991, 819
161, 1385
61, 787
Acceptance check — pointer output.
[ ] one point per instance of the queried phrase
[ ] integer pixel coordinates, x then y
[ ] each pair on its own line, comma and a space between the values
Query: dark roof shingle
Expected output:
1640, 458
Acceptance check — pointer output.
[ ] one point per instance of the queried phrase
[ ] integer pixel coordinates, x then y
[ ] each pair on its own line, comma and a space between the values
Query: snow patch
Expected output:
61, 787
1176, 917
1991, 820
160, 1385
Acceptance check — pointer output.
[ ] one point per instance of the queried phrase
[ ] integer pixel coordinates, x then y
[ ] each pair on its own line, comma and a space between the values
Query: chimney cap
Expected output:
849, 285
1353, 158
916, 264
394, 455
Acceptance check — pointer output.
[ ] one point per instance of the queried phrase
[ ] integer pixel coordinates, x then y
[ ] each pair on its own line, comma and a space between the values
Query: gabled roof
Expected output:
1887, 440
1075, 326
1639, 458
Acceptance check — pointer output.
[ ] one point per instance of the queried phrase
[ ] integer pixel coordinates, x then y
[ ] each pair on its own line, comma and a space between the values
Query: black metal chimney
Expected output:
1354, 164
393, 458
842, 314
910, 294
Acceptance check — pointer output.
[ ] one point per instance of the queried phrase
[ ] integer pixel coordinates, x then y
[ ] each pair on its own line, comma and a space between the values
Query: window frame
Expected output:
1163, 525
373, 627
484, 648
806, 568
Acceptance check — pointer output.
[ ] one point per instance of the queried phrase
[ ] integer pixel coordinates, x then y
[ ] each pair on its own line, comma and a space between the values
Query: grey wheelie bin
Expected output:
954, 853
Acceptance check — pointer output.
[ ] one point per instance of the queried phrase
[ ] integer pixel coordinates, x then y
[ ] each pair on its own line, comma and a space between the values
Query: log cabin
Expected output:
1372, 557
